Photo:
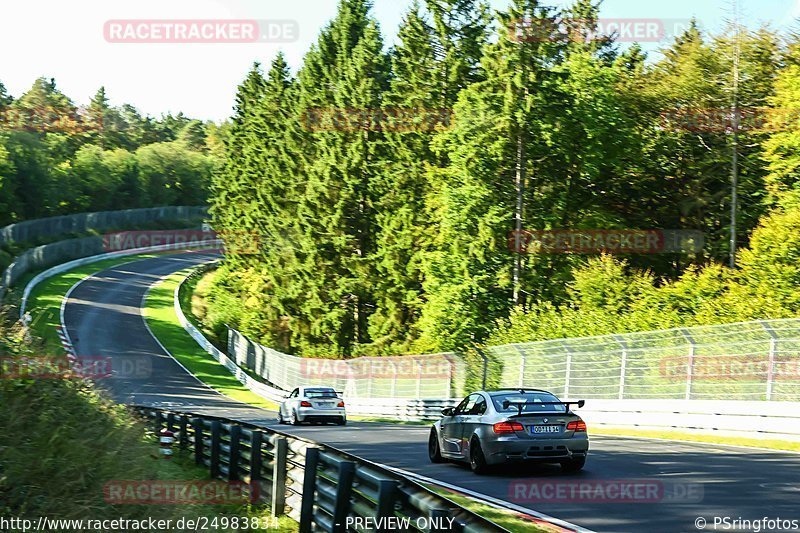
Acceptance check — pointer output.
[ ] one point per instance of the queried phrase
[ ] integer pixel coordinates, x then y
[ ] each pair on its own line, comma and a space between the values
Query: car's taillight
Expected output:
341, 404
576, 425
507, 427
305, 404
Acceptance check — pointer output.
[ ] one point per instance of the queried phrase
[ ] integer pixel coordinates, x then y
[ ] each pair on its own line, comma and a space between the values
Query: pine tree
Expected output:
346, 70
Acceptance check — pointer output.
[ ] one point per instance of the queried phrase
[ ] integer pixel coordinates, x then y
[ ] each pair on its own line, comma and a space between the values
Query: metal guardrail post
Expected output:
568, 371
522, 360
387, 494
622, 365
278, 502
344, 489
183, 432
419, 379
197, 424
171, 421
309, 489
773, 346
216, 427
235, 455
256, 442
157, 422
690, 363
485, 365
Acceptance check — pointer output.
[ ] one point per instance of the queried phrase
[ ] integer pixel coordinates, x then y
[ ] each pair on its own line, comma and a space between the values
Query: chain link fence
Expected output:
757, 360
409, 376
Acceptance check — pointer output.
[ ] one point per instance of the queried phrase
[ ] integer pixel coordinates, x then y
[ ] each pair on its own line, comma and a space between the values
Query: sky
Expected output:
69, 41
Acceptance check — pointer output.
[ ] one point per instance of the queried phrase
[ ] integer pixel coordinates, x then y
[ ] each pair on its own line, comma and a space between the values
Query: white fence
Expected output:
757, 360
409, 376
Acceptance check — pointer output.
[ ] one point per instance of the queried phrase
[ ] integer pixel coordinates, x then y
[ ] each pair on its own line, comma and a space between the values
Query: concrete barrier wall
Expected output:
751, 419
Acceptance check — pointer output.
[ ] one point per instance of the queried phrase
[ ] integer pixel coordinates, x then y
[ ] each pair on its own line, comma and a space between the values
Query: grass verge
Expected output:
160, 314
771, 444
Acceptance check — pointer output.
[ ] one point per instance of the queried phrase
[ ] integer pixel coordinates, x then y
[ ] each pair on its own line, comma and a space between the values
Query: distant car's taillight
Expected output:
341, 404
305, 404
577, 425
507, 427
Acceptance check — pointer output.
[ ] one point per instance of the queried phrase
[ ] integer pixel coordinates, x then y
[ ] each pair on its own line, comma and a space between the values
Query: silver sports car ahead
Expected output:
312, 404
507, 425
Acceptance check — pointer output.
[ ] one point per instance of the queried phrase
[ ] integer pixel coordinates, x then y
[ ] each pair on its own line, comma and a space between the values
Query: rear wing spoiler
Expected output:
521, 405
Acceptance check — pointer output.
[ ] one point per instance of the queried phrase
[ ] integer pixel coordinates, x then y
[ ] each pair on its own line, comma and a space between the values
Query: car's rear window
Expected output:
320, 393
532, 398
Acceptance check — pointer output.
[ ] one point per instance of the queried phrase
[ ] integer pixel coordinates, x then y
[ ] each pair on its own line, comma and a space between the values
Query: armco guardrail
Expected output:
31, 230
406, 409
51, 254
757, 360
322, 488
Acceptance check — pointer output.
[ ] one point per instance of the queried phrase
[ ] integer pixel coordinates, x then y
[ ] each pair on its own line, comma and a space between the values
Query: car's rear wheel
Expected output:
341, 422
434, 453
573, 465
477, 461
293, 418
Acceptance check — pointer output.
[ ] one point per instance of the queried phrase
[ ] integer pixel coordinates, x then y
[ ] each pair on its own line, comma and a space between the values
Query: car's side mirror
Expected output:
448, 411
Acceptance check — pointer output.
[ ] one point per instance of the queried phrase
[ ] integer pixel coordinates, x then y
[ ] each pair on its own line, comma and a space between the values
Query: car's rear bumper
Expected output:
310, 414
508, 450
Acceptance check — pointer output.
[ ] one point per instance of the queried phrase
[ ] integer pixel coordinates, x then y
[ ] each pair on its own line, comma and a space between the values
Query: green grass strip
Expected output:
160, 313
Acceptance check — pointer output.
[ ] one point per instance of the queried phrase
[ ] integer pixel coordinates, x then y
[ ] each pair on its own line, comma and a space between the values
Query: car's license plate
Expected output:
325, 405
545, 429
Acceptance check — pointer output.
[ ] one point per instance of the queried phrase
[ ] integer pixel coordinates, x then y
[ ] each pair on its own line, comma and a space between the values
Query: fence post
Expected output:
215, 442
623, 365
387, 493
171, 421
394, 380
279, 476
419, 379
773, 345
309, 487
568, 370
233, 467
183, 432
344, 489
485, 365
256, 441
690, 363
522, 359
197, 424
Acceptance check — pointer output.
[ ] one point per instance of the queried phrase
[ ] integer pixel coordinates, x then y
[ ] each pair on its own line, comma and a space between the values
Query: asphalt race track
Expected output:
103, 318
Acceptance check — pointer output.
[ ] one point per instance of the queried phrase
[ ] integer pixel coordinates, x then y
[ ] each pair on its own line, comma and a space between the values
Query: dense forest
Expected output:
58, 158
381, 237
